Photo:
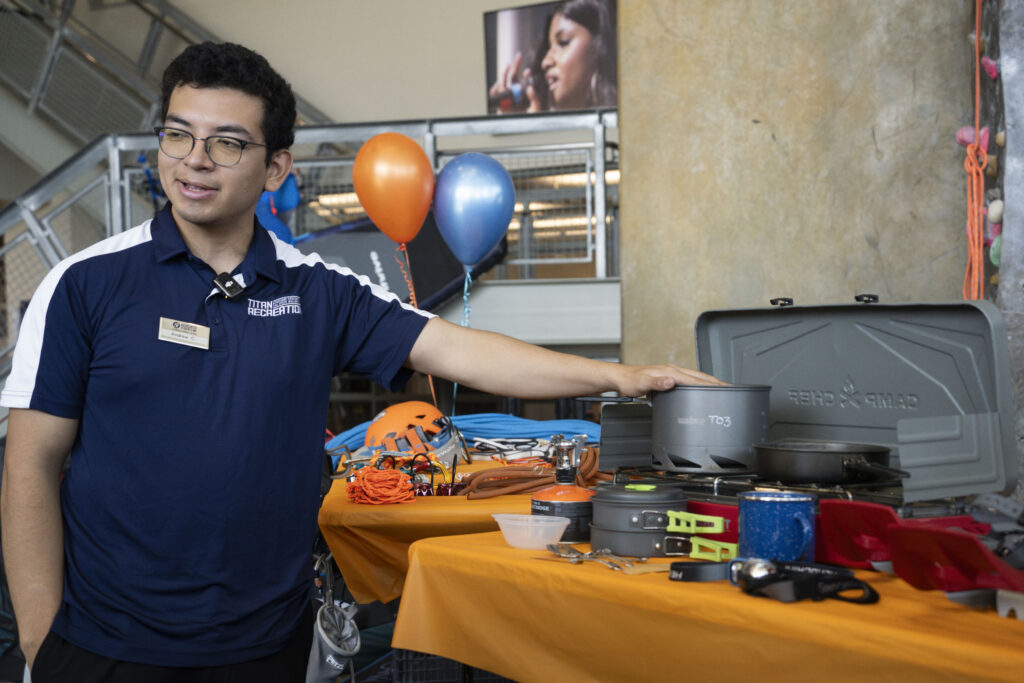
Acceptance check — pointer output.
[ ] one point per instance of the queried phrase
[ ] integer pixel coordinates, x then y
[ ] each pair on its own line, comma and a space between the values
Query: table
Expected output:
475, 599
370, 543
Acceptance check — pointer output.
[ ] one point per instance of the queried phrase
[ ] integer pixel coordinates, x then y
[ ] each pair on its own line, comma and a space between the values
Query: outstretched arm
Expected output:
505, 366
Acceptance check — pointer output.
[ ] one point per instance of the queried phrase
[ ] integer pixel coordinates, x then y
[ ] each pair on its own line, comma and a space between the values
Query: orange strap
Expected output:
406, 269
974, 165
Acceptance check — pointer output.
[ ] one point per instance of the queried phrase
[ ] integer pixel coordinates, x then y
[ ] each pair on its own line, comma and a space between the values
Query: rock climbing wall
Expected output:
787, 149
1011, 272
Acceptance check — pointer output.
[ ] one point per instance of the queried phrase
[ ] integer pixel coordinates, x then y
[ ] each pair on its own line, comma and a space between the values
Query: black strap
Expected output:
793, 590
795, 570
698, 571
794, 581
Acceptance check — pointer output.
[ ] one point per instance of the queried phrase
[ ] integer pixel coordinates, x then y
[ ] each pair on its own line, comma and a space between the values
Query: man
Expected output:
185, 365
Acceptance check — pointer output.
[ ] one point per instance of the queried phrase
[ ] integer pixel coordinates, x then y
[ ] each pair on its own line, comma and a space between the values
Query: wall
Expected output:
1011, 275
365, 60
787, 149
29, 148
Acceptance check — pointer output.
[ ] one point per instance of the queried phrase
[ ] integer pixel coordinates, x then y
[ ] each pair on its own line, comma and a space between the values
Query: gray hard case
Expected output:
929, 380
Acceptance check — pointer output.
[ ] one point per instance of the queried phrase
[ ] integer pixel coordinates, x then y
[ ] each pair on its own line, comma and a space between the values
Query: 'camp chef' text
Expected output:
881, 401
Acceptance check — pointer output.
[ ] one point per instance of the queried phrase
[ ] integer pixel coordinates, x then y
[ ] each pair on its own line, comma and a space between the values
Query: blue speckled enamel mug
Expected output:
776, 525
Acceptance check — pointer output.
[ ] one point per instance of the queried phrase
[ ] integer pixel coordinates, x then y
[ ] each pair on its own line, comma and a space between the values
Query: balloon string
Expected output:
467, 285
406, 269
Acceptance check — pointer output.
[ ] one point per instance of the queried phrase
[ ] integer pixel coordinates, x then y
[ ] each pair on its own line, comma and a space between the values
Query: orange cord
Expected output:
406, 269
974, 165
372, 486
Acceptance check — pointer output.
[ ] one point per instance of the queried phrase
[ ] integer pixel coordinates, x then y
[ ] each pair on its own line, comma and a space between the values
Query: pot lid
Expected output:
715, 388
823, 447
639, 492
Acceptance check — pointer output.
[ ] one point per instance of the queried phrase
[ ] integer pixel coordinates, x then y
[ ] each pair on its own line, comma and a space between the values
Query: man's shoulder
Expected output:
340, 282
122, 241
291, 260
295, 266
91, 258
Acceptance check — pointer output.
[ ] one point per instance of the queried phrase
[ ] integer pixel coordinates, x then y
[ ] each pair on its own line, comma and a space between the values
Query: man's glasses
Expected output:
223, 150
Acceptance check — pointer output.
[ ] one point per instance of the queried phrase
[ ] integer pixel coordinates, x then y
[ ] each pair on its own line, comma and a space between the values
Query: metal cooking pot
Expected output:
824, 462
632, 519
708, 428
636, 506
655, 543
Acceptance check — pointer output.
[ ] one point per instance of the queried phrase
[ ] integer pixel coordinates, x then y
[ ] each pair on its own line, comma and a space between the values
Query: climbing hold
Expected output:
991, 67
992, 168
980, 45
991, 232
965, 136
1001, 138
995, 211
995, 251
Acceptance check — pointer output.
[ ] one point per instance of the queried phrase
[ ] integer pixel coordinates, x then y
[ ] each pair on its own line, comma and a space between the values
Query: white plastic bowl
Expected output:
533, 532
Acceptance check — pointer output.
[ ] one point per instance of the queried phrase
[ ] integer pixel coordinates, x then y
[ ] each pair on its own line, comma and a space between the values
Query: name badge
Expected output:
189, 334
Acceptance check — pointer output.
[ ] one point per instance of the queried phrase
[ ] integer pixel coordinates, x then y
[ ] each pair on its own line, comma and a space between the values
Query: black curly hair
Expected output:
227, 65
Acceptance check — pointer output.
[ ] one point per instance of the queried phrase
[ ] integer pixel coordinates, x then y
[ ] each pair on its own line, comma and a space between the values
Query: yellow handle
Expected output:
691, 523
716, 551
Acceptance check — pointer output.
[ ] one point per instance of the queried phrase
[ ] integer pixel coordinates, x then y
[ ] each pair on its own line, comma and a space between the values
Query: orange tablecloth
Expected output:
370, 543
474, 599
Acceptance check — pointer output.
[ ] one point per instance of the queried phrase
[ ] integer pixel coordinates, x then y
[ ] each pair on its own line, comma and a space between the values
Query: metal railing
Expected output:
561, 164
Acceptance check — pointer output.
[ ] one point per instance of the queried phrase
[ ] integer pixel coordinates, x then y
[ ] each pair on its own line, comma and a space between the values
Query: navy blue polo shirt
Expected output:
191, 498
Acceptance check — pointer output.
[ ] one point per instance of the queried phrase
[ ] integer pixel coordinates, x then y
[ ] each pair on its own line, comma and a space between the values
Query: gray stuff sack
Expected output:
335, 641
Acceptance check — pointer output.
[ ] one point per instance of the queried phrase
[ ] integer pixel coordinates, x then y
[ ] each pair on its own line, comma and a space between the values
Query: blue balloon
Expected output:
473, 204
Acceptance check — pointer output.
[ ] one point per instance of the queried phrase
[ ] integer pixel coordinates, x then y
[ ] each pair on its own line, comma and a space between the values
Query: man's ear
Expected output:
278, 170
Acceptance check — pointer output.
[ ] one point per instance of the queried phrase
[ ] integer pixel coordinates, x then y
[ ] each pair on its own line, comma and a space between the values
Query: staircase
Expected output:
81, 67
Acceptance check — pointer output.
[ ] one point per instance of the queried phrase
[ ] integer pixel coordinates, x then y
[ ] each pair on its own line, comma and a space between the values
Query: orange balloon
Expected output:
395, 184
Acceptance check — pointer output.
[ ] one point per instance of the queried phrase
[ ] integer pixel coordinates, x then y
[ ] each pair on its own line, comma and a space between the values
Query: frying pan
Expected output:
824, 462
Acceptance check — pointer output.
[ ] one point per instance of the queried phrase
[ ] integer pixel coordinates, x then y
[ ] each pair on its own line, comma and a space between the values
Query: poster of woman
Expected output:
552, 56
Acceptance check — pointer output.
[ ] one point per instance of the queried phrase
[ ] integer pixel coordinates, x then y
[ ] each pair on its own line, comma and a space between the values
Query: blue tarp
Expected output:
490, 426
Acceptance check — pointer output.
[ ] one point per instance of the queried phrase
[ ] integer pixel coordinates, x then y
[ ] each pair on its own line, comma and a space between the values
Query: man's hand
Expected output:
637, 380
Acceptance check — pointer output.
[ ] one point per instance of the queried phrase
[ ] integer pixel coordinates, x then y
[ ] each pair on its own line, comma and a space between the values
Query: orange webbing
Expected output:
406, 269
974, 165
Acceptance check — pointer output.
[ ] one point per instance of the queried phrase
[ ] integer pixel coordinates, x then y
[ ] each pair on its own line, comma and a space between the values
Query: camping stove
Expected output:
928, 381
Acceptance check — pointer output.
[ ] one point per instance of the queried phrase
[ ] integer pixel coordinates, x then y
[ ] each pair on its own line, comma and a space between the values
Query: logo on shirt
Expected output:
285, 305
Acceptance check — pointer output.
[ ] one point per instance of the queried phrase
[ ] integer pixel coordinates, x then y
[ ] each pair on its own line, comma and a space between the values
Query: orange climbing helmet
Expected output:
409, 427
